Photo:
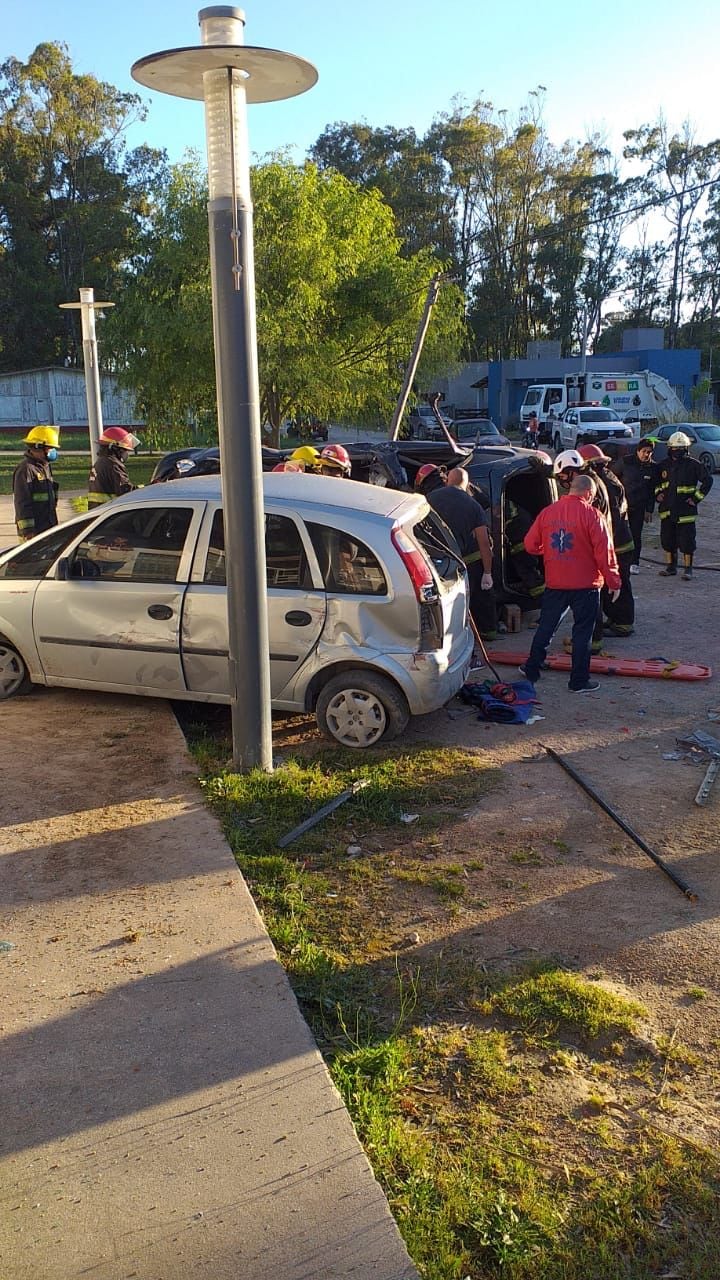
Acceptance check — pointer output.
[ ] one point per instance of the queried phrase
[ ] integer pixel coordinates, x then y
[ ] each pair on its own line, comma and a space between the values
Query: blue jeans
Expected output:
583, 603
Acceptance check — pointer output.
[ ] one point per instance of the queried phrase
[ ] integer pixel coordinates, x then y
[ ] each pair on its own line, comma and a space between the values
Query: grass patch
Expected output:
476, 1198
72, 473
486, 1175
559, 1001
259, 807
323, 940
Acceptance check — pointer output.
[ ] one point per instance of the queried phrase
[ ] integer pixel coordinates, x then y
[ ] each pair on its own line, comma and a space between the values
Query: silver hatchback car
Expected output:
367, 604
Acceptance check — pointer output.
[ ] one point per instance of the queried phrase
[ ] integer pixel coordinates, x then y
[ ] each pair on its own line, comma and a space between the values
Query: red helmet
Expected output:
337, 458
424, 473
593, 453
289, 466
120, 437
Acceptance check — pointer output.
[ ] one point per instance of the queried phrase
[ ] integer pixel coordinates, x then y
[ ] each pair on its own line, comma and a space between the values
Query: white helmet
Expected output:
678, 440
568, 458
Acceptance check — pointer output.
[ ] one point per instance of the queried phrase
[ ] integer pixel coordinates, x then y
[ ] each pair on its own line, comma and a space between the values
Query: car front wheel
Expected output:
358, 709
14, 678
708, 462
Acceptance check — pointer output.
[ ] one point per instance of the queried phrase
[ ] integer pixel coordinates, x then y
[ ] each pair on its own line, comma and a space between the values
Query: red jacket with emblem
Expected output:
575, 545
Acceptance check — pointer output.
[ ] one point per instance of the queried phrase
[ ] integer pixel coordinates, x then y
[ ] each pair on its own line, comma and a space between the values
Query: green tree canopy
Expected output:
337, 303
71, 199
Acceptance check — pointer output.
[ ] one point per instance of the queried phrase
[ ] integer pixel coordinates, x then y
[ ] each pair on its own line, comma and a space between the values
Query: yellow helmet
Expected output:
43, 435
309, 457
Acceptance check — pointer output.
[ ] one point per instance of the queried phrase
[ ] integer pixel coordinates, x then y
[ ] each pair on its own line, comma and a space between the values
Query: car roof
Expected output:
296, 487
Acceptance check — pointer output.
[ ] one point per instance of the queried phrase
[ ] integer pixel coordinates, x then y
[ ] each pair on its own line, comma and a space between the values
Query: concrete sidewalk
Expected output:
164, 1111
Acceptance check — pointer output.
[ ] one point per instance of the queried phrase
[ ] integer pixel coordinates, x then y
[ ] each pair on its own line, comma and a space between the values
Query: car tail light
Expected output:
416, 564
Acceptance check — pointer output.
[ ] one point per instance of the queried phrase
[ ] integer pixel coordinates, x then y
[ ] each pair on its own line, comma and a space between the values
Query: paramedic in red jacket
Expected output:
579, 557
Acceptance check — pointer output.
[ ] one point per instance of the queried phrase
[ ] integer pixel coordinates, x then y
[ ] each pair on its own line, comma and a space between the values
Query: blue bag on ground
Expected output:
503, 703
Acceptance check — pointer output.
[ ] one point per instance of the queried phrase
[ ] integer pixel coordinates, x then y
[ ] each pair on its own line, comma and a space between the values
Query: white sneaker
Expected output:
634, 568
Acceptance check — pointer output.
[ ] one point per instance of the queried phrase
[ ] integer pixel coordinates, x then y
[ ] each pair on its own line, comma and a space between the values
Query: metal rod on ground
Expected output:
711, 774
612, 813
326, 810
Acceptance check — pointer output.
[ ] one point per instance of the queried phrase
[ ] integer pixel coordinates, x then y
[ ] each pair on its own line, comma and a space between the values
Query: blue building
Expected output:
497, 387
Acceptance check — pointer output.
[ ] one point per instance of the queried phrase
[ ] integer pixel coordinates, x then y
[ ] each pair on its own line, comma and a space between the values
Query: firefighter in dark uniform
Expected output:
620, 613
681, 483
108, 475
527, 568
636, 472
34, 489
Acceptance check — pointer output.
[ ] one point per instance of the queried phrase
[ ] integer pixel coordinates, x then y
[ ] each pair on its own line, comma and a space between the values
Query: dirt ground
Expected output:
546, 873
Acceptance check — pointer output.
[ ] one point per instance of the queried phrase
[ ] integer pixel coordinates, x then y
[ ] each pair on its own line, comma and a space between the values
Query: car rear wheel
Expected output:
708, 462
358, 709
14, 678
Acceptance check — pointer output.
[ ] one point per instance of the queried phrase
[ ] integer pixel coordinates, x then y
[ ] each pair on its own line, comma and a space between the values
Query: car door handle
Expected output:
298, 618
160, 611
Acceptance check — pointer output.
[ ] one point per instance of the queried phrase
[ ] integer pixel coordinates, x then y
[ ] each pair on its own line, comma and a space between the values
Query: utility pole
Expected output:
227, 75
87, 306
430, 300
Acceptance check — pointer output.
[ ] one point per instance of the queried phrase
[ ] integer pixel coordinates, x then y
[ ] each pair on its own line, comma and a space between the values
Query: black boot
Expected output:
670, 566
687, 568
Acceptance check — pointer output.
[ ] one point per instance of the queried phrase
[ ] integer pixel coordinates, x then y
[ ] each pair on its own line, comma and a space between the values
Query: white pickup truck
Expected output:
584, 424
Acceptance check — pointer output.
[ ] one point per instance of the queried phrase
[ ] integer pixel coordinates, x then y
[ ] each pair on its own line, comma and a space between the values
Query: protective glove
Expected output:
615, 595
486, 582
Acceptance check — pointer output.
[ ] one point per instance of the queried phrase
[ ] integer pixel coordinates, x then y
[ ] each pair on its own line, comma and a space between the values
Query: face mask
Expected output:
51, 455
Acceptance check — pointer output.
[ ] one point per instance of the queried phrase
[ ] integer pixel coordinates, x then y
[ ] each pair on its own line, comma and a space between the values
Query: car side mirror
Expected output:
63, 569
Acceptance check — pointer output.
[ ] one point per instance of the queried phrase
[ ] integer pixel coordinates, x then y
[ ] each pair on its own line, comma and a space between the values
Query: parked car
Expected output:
366, 598
586, 424
477, 432
705, 445
424, 425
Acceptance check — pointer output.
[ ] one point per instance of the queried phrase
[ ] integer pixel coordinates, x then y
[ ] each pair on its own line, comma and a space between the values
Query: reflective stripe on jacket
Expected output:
35, 497
108, 478
679, 488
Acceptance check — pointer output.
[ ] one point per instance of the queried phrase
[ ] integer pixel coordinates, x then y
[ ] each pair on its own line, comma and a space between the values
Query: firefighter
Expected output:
636, 473
335, 461
34, 489
308, 455
618, 609
681, 483
468, 524
527, 568
108, 477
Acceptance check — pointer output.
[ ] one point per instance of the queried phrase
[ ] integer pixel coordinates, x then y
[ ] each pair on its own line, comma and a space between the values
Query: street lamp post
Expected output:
227, 75
87, 306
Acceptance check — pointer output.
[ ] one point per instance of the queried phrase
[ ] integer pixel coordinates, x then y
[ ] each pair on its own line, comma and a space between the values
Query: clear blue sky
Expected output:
605, 67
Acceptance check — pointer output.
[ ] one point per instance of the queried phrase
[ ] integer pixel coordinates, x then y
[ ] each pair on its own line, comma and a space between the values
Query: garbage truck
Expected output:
642, 399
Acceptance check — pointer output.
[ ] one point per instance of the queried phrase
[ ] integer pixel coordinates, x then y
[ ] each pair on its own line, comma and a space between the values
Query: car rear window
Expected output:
439, 545
347, 565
